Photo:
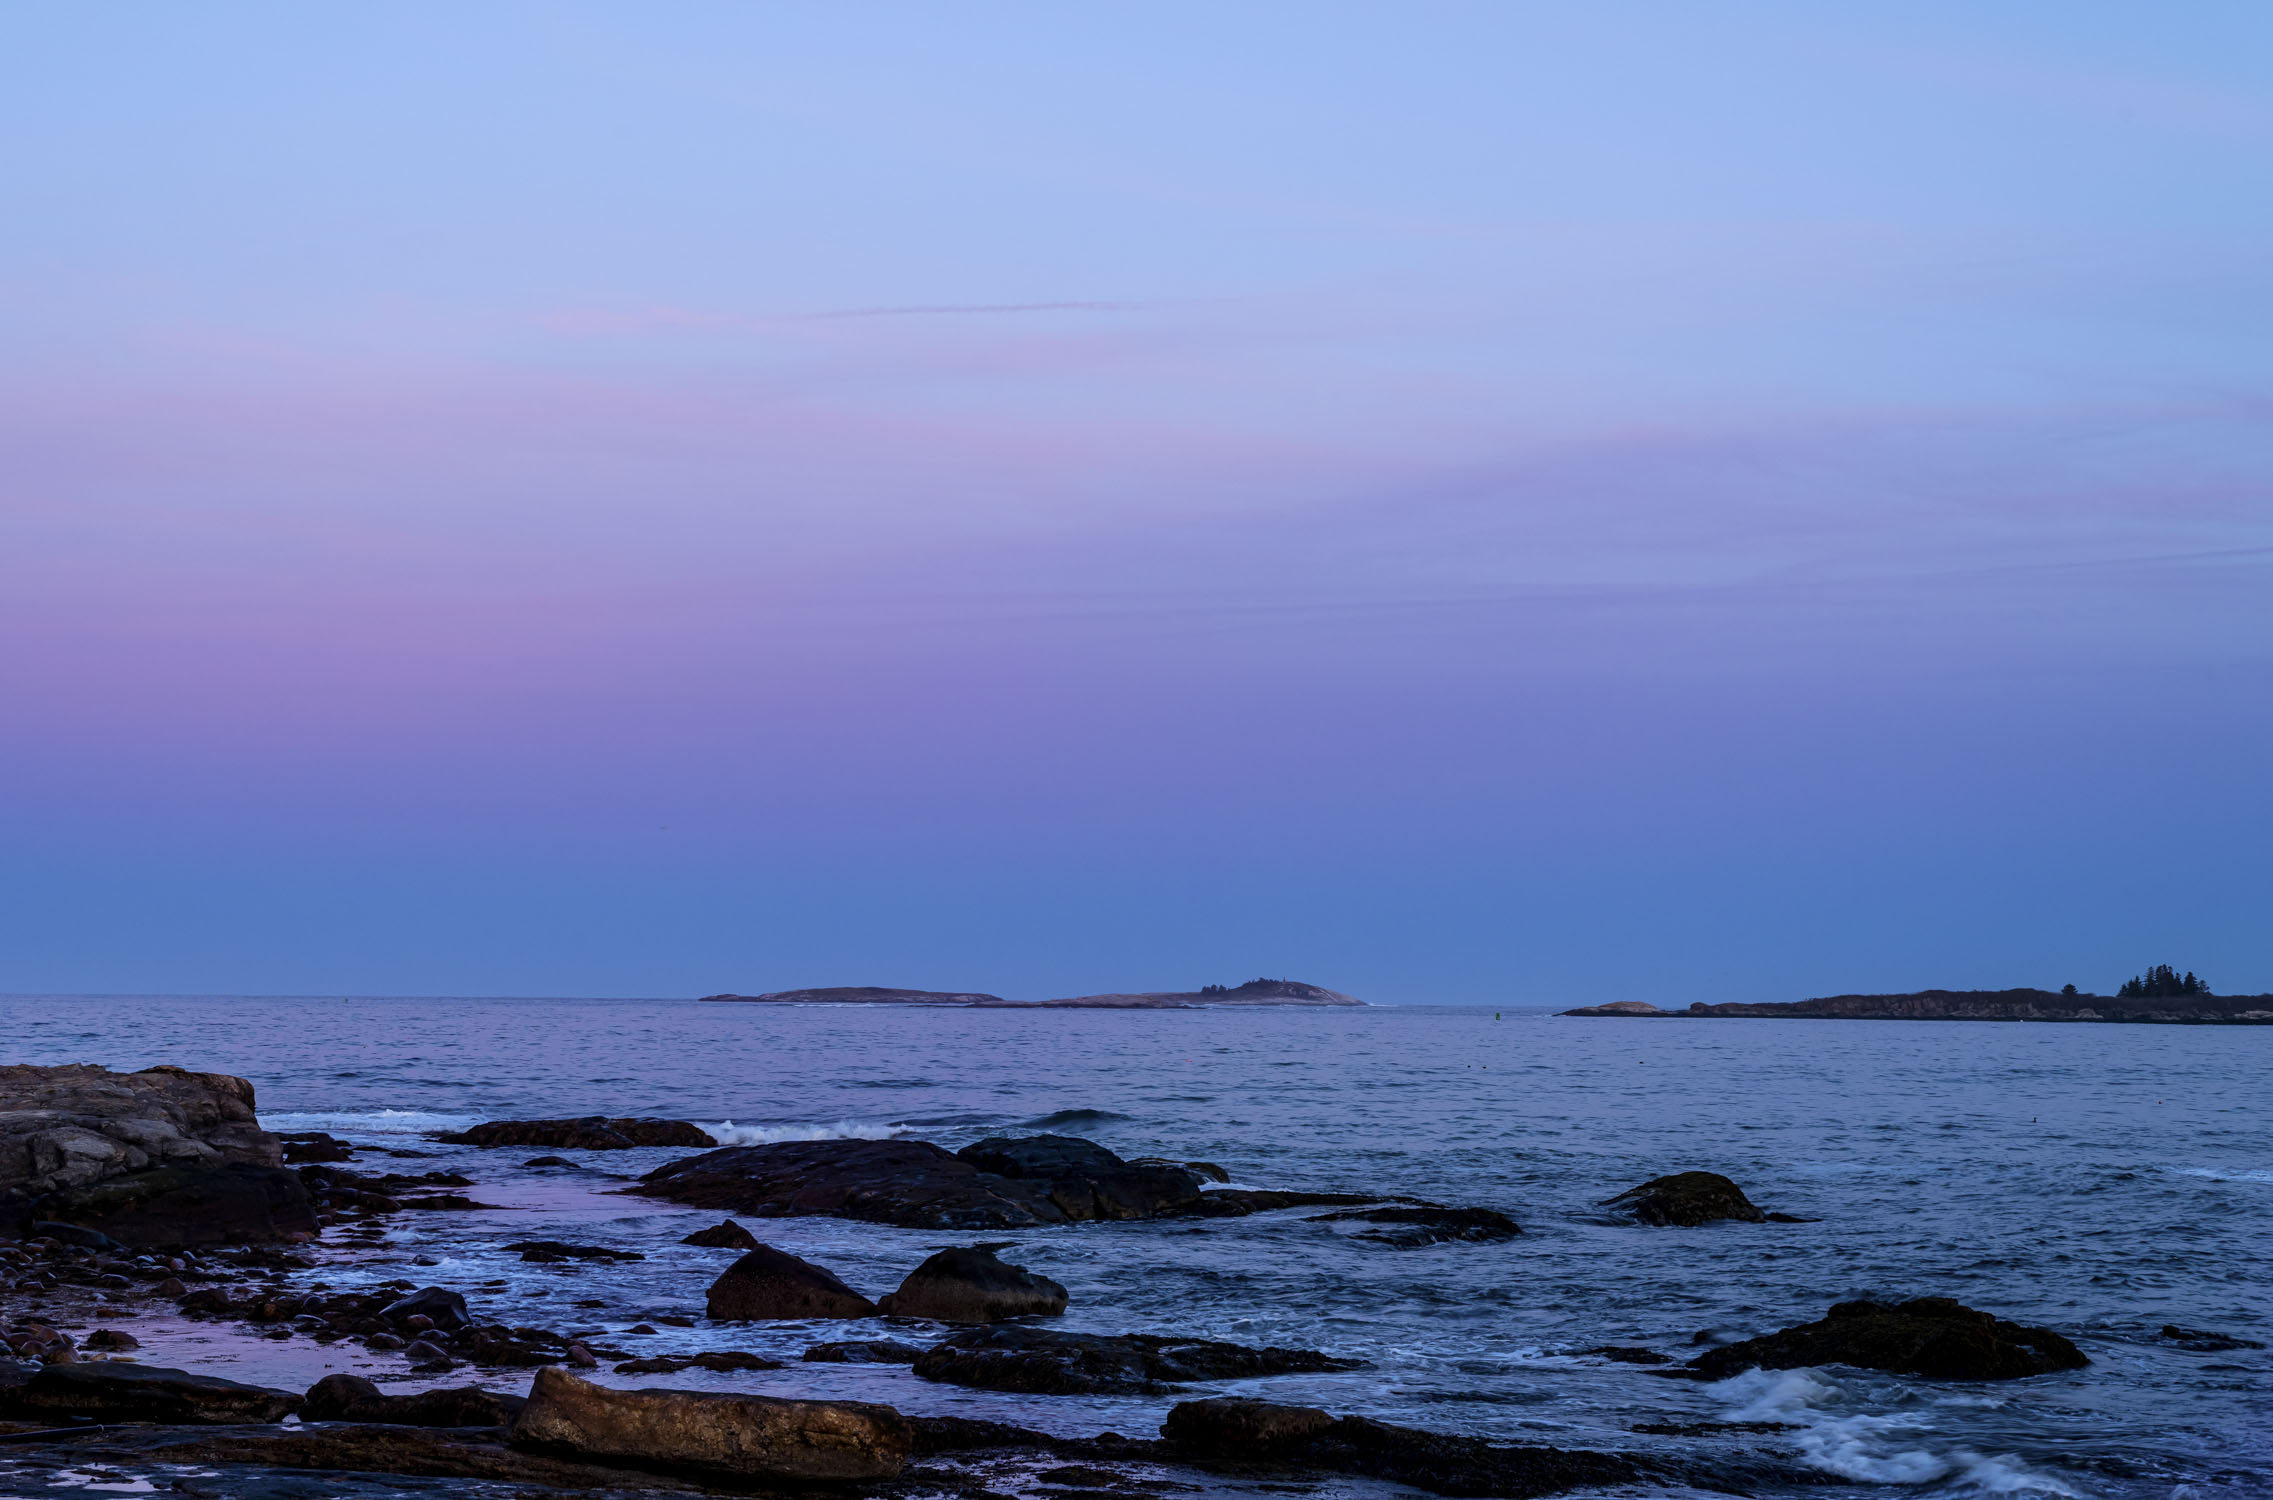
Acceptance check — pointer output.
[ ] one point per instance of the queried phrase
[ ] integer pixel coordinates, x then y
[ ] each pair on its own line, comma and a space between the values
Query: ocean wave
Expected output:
2221, 1174
727, 1133
1871, 1447
369, 1121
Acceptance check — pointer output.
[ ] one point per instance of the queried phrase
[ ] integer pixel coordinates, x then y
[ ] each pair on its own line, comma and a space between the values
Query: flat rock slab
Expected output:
1047, 1362
1930, 1336
748, 1437
1411, 1226
413, 1451
142, 1393
589, 1133
351, 1398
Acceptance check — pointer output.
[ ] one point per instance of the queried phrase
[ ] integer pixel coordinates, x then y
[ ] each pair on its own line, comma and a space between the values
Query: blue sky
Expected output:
1475, 503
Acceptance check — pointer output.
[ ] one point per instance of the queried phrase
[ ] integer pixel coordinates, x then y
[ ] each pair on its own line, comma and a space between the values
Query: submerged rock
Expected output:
973, 1285
591, 1133
175, 1206
1410, 1226
1686, 1199
865, 1352
1048, 1362
767, 1283
748, 1437
724, 1235
546, 1252
142, 1393
721, 1360
2203, 1342
1930, 1336
351, 1398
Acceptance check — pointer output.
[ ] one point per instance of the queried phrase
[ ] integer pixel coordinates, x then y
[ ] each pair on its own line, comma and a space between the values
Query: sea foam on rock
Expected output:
748, 1437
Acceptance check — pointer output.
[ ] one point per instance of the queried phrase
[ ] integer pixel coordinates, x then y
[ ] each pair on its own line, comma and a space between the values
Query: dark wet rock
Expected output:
1006, 1183
1206, 1169
724, 1235
73, 1235
591, 1133
72, 1126
974, 1434
1930, 1336
1085, 1180
865, 1352
1044, 1361
1710, 1429
548, 1161
426, 1354
395, 1450
543, 1252
973, 1285
1410, 1226
351, 1398
446, 1308
110, 1392
1627, 1354
111, 1339
749, 1437
863, 994
196, 1205
1238, 1203
2202, 1342
305, 1146
1235, 1431
1686, 1199
721, 1360
767, 1283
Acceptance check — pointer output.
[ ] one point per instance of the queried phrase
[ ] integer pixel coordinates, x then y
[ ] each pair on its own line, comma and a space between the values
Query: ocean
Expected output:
2100, 1180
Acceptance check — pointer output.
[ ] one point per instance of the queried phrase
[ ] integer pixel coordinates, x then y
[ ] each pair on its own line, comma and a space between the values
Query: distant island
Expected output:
1253, 992
2195, 1008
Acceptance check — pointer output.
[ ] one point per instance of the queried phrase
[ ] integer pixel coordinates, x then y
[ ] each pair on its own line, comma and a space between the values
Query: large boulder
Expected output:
769, 1283
1085, 1180
141, 1393
1014, 1358
997, 1184
171, 1206
446, 1309
351, 1398
973, 1285
591, 1133
747, 1437
69, 1126
1686, 1199
723, 1235
1930, 1336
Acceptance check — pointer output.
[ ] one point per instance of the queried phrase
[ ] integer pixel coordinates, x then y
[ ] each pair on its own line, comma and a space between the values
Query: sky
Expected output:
1484, 504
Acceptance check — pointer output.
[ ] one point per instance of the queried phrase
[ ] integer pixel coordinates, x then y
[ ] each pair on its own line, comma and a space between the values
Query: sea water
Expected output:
2100, 1180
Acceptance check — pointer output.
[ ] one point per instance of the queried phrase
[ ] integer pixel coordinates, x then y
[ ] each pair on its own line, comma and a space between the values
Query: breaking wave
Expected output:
1065, 1117
369, 1121
1874, 1448
727, 1133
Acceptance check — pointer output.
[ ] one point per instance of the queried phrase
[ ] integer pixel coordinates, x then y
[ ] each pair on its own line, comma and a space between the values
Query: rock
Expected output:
749, 1437
1686, 1199
360, 1450
1237, 1203
1253, 992
865, 1352
999, 1184
2206, 1343
1409, 1227
350, 1398
546, 1251
170, 1287
443, 1307
304, 1146
592, 1133
863, 994
1240, 1432
973, 1286
72, 1234
548, 1161
195, 1205
721, 1360
425, 1354
1044, 1361
724, 1235
111, 1338
140, 1393
1930, 1336
768, 1283
1085, 1180
1206, 1169
1627, 1354
72, 1126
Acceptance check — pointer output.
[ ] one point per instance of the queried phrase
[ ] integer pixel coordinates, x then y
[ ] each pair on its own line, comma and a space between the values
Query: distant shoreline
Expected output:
1972, 1005
1254, 993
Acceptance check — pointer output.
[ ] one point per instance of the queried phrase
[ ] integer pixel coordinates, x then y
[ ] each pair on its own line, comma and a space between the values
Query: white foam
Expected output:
370, 1121
1871, 1447
2219, 1174
2004, 1474
727, 1133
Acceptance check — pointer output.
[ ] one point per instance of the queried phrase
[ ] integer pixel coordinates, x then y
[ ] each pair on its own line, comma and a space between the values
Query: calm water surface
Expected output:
2104, 1181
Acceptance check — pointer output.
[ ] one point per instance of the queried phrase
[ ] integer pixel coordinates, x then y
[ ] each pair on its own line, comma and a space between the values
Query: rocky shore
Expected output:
136, 1196
1253, 992
1974, 1005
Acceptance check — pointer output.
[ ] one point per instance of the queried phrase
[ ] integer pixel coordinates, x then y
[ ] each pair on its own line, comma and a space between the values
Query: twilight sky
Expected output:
1478, 503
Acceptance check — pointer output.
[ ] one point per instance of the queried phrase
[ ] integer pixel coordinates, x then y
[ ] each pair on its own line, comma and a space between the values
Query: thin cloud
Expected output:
967, 309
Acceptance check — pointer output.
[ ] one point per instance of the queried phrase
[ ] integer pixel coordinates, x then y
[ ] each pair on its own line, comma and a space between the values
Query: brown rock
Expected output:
724, 1235
190, 1205
751, 1437
351, 1398
1686, 1199
973, 1286
1234, 1424
66, 1127
140, 1393
1930, 1336
768, 1283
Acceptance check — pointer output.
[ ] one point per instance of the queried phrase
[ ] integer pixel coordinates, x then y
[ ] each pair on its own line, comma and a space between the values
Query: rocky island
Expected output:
1253, 992
1977, 1005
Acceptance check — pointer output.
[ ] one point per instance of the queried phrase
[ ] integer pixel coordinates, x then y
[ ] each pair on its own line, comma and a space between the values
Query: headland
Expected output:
1974, 1005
